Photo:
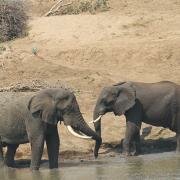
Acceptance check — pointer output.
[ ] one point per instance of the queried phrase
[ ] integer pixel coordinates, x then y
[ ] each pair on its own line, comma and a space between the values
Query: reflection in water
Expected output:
54, 174
36, 175
135, 167
154, 166
7, 173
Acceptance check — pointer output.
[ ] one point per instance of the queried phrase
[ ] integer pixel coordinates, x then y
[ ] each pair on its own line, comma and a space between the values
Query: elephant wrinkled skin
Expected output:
157, 104
33, 118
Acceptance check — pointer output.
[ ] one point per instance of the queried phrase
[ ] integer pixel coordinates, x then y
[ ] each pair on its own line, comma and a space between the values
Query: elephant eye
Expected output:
37, 114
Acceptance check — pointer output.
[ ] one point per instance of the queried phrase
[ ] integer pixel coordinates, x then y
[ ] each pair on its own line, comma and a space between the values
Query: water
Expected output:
154, 166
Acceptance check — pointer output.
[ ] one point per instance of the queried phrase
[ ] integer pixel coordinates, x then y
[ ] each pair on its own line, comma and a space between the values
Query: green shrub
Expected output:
12, 19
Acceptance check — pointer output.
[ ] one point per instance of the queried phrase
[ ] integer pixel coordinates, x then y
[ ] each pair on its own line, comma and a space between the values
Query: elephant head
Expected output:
117, 99
53, 105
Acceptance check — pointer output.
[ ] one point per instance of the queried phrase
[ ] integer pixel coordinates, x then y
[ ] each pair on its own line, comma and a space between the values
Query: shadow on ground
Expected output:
25, 163
148, 146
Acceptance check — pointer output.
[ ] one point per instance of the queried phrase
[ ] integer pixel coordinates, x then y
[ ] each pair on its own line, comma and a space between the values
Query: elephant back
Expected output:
13, 112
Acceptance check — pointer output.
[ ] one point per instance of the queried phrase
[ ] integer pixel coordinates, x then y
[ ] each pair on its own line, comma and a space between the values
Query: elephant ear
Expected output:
125, 98
35, 108
42, 106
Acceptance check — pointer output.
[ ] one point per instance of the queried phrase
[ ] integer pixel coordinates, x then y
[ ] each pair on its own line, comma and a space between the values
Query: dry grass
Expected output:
13, 19
80, 6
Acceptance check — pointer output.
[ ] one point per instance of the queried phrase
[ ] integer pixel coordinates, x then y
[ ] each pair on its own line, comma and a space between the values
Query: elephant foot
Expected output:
126, 154
9, 163
135, 153
34, 168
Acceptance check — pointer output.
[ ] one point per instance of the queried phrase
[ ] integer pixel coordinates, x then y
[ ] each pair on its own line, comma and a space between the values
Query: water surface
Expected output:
152, 166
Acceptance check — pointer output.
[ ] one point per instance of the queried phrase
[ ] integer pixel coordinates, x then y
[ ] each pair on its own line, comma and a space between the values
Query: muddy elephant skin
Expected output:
33, 117
156, 104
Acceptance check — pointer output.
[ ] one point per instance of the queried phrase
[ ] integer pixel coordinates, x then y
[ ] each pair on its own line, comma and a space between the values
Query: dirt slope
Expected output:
135, 40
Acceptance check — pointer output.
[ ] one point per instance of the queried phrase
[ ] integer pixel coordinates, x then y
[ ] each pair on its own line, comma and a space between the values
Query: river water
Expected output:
152, 166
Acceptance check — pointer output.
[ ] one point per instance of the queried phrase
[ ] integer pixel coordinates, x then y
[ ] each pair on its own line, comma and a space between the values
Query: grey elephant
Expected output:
157, 104
33, 118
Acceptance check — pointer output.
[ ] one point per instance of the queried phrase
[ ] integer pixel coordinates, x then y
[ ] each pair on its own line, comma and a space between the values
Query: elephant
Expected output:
157, 104
33, 117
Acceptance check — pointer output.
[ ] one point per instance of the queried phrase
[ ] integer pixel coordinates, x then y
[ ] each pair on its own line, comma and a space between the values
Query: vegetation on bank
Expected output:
13, 19
63, 7
13, 16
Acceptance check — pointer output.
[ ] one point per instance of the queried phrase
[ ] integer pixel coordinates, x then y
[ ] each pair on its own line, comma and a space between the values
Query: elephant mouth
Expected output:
116, 113
77, 133
96, 120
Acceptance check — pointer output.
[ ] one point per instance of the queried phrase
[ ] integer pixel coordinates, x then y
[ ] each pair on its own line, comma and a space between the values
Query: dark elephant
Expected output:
33, 118
157, 104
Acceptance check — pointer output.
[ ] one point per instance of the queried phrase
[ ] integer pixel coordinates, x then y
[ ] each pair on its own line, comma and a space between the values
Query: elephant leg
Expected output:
36, 136
178, 142
178, 132
131, 134
37, 145
9, 158
1, 156
52, 142
137, 143
133, 126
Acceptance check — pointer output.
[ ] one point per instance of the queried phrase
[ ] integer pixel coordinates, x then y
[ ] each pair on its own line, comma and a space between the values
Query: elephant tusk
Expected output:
76, 134
96, 119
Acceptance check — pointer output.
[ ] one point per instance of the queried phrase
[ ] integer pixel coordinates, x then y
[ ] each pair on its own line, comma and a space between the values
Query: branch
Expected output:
63, 5
51, 10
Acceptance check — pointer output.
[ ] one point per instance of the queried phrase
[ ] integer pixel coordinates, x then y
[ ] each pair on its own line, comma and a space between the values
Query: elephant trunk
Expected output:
88, 131
97, 124
77, 122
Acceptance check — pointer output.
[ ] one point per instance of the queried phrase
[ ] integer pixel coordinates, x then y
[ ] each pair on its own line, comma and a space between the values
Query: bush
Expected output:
79, 6
12, 19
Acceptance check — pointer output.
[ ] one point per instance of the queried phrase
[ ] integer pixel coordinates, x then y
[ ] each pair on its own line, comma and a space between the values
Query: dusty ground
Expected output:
135, 40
